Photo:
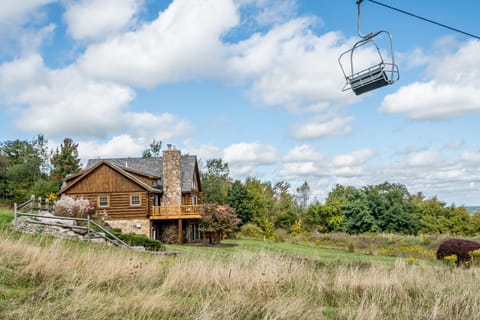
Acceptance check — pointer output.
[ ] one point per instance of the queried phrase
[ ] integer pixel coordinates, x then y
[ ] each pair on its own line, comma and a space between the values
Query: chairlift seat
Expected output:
378, 75
369, 79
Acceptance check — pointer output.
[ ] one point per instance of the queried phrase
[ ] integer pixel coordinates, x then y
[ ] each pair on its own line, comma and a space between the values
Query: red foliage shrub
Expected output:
460, 248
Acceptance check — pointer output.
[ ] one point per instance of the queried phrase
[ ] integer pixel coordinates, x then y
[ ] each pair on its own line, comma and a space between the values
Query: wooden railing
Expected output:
176, 211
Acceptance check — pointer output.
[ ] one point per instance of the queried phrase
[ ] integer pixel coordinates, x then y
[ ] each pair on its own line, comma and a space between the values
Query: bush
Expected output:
458, 247
475, 256
251, 230
280, 235
296, 228
76, 208
134, 239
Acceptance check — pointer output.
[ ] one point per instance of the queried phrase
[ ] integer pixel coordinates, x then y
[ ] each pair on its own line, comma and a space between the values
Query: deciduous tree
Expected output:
27, 162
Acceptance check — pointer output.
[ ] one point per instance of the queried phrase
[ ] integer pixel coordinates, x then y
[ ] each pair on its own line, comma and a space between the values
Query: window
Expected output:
103, 201
134, 199
194, 200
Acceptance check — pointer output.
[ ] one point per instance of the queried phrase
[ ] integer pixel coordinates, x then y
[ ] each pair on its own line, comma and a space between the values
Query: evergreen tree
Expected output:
65, 161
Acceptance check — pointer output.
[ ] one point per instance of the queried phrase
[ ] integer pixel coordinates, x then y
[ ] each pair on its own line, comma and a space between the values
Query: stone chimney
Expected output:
172, 176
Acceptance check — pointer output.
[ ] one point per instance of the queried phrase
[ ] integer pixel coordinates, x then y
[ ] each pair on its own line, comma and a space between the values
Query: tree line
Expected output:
386, 207
27, 167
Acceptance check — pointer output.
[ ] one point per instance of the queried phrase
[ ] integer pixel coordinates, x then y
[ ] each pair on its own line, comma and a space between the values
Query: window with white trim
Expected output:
102, 201
135, 200
194, 200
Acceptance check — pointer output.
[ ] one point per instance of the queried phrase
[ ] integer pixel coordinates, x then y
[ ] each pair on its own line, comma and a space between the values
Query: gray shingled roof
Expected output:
188, 169
149, 166
154, 167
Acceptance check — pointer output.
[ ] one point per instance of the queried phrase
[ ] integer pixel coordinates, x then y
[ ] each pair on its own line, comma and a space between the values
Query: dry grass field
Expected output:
45, 278
54, 279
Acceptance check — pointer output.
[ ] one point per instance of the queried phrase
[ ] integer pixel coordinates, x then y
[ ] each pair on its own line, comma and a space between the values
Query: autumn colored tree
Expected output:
217, 220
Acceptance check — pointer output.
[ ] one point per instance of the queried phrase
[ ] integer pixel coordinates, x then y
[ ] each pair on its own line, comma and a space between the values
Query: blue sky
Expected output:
254, 82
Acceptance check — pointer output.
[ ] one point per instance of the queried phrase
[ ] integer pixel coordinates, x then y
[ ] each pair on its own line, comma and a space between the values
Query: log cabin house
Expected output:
160, 197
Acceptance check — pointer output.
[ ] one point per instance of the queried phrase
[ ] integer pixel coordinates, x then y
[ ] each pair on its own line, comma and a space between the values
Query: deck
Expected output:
176, 212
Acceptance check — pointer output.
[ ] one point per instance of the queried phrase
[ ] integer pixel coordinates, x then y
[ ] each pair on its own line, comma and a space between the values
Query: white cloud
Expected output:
433, 100
164, 126
453, 90
318, 128
265, 13
354, 158
295, 170
93, 19
182, 43
65, 103
62, 101
422, 158
447, 179
471, 156
304, 152
16, 13
456, 144
23, 26
255, 153
275, 12
243, 158
119, 146
202, 151
315, 165
290, 66
286, 66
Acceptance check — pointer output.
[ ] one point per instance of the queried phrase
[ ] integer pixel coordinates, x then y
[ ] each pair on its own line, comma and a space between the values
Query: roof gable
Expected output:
113, 166
153, 168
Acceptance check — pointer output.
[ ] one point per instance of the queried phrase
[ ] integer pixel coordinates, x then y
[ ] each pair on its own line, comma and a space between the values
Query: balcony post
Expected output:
180, 231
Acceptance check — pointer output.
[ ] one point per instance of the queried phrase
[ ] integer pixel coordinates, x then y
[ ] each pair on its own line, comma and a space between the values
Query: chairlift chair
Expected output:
383, 73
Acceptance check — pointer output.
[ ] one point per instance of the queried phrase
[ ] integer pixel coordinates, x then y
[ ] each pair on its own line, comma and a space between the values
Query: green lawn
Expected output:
324, 255
6, 216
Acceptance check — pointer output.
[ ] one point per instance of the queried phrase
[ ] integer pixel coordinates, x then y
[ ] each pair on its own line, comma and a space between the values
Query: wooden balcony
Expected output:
176, 212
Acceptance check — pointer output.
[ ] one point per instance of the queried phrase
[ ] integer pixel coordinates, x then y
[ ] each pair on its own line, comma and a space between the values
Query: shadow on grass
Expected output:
211, 245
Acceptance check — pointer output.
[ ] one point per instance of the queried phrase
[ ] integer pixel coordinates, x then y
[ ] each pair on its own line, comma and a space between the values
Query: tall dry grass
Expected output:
67, 280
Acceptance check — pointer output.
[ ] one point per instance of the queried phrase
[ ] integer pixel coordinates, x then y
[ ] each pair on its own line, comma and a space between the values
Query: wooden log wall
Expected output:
119, 204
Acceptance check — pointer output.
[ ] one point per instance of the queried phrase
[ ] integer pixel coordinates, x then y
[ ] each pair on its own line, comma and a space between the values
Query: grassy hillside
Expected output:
46, 278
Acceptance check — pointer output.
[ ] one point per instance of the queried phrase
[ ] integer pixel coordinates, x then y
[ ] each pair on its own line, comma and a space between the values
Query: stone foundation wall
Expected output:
138, 226
170, 233
29, 226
